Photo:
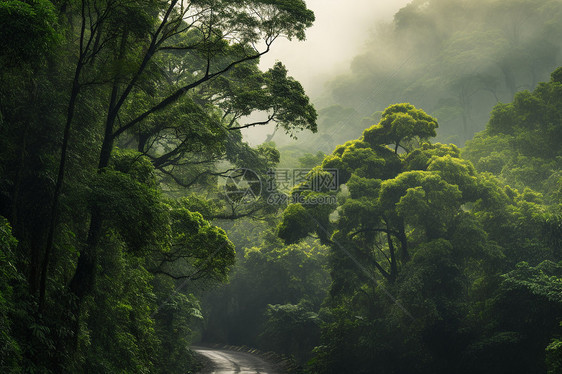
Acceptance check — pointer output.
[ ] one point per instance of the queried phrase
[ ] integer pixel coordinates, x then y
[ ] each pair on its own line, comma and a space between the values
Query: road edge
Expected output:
281, 363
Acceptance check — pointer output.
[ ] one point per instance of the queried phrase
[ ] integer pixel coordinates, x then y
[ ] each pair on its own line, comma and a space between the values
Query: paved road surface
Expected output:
231, 362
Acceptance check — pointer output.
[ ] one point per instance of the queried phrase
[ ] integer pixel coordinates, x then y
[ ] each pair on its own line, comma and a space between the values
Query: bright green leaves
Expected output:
129, 201
360, 158
290, 106
310, 206
400, 125
363, 187
422, 199
363, 161
422, 189
289, 18
198, 249
393, 190
296, 224
395, 206
521, 143
420, 158
457, 172
357, 213
275, 95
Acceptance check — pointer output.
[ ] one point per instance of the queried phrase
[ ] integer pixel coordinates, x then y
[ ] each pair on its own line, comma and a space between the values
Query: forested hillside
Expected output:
117, 117
454, 58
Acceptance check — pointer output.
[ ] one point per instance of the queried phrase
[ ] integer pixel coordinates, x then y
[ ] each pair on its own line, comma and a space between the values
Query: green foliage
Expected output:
401, 123
436, 265
418, 241
523, 320
292, 107
118, 332
133, 209
521, 141
290, 329
428, 55
295, 224
294, 278
175, 318
197, 248
10, 350
554, 357
117, 121
28, 31
422, 199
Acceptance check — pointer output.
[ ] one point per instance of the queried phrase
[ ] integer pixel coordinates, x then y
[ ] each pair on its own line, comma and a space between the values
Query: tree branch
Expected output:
261, 123
180, 92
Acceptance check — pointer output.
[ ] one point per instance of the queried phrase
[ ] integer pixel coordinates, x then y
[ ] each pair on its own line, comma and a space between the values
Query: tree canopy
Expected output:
426, 257
118, 120
430, 56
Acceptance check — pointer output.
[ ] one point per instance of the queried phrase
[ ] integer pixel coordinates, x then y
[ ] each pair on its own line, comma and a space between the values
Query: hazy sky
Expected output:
340, 30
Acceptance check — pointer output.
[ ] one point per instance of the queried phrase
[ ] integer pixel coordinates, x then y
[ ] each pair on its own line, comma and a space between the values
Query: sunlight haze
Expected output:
340, 30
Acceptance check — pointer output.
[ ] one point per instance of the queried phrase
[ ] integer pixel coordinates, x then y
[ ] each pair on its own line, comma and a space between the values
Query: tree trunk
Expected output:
59, 183
403, 243
393, 266
83, 280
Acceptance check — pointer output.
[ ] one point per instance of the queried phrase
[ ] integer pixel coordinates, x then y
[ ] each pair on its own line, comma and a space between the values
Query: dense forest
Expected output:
415, 225
454, 58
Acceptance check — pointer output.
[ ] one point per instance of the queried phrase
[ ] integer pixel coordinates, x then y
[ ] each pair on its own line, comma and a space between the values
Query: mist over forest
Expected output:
454, 59
281, 186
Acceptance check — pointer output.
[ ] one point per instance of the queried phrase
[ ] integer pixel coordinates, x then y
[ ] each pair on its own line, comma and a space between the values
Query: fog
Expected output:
428, 55
339, 33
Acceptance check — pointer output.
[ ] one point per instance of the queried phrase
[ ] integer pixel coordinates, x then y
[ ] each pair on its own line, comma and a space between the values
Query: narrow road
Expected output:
230, 362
